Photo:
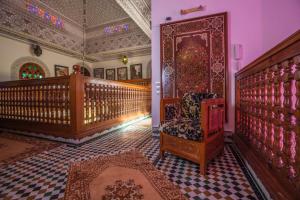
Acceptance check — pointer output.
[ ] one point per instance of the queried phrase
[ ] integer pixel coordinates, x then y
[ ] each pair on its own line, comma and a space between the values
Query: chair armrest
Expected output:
212, 108
163, 103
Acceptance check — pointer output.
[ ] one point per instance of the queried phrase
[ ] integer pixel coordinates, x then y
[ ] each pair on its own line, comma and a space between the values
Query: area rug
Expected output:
15, 147
123, 176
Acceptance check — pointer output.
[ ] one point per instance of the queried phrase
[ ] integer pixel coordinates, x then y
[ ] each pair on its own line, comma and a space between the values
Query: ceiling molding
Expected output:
14, 35
129, 52
139, 11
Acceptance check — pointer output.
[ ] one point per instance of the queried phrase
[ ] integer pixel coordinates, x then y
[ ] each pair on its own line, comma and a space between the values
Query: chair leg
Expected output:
203, 168
221, 153
162, 154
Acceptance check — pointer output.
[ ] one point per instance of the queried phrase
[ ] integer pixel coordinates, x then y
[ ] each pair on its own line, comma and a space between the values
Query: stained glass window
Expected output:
31, 71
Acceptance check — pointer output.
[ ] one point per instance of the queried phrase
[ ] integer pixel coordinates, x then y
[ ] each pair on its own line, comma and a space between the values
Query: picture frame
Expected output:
136, 71
110, 74
99, 73
122, 73
60, 70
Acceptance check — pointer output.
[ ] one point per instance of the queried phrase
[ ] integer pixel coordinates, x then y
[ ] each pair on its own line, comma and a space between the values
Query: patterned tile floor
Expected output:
44, 176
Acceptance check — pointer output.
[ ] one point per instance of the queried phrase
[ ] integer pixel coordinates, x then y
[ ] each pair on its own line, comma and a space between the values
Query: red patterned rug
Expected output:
123, 176
15, 147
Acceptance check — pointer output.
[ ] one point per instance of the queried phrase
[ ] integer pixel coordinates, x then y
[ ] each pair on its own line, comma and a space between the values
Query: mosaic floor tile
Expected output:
44, 176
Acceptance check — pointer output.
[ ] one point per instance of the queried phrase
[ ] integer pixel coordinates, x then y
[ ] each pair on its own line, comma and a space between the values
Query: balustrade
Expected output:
268, 111
70, 106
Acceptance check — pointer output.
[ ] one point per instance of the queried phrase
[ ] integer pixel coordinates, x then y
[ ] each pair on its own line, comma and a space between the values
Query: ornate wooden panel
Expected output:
194, 56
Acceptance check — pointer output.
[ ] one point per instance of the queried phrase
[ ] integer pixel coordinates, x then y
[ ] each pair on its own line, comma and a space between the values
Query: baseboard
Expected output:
77, 141
262, 172
155, 131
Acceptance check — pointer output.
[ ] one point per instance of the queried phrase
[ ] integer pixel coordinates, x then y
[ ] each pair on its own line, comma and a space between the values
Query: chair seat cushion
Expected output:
183, 128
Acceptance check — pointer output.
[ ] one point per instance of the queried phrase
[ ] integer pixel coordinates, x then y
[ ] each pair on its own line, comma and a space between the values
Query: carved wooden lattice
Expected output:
193, 56
40, 101
105, 100
268, 110
70, 106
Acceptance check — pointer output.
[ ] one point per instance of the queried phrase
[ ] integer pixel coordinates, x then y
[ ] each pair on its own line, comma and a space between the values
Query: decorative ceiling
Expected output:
98, 11
113, 27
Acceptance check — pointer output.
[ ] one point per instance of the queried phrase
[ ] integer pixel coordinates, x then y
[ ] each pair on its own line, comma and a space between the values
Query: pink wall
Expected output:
247, 21
281, 18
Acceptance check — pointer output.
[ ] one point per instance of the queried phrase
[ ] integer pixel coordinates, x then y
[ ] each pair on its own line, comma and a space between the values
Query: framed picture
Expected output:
61, 70
110, 74
122, 73
99, 73
136, 71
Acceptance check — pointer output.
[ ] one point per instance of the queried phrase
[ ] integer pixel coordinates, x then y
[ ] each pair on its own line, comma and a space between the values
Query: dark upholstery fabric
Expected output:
170, 112
183, 128
187, 124
191, 104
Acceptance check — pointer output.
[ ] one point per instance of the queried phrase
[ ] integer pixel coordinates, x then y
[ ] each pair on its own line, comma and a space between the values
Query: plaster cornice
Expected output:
130, 52
14, 35
139, 15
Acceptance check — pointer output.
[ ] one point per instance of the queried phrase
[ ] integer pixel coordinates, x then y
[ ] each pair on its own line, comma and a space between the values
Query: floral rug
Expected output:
14, 147
123, 176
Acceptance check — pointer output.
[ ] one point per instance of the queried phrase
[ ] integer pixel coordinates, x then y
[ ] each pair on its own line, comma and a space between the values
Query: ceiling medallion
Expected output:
52, 19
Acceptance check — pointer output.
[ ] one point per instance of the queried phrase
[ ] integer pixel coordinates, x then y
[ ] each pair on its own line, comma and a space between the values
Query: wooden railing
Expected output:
143, 82
72, 106
268, 117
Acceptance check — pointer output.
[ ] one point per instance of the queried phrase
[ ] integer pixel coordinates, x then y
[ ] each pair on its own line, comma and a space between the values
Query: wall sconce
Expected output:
124, 60
190, 10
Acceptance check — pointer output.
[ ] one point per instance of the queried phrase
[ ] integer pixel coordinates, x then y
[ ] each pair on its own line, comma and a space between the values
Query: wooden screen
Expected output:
194, 56
70, 106
268, 114
42, 101
105, 100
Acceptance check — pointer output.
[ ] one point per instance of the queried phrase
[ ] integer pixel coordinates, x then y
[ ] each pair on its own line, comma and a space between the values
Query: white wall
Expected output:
144, 60
11, 50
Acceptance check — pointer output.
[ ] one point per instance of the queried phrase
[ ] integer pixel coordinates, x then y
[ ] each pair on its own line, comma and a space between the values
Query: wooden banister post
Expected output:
77, 103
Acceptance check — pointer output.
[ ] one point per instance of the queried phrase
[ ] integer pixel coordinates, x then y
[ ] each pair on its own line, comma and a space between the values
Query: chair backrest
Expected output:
191, 104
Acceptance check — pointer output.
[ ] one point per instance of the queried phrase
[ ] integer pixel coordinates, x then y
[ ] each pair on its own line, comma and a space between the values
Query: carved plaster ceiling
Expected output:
17, 22
98, 11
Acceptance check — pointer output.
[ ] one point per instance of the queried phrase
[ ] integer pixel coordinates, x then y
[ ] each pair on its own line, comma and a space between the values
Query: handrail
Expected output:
268, 115
71, 106
144, 82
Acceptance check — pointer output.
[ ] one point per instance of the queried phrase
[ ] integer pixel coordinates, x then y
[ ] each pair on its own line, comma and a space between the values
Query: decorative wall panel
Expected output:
194, 56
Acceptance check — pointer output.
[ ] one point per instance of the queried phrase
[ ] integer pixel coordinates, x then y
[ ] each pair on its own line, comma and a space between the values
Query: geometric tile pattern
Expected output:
44, 176
104, 43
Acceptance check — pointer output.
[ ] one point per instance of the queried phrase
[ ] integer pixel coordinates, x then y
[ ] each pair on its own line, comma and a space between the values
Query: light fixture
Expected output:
124, 60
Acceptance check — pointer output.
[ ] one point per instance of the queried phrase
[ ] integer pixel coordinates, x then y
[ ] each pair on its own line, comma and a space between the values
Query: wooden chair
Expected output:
200, 149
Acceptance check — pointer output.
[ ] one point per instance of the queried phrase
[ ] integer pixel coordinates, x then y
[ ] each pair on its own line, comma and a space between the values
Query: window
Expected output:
31, 71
